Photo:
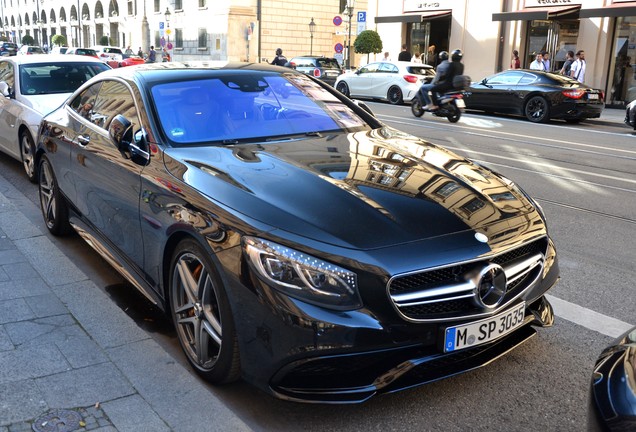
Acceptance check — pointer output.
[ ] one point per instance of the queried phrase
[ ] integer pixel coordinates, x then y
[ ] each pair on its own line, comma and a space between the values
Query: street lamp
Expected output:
312, 29
350, 5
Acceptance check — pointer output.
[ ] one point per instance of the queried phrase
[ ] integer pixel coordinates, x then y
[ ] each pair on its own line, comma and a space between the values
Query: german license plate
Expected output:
486, 330
460, 103
592, 96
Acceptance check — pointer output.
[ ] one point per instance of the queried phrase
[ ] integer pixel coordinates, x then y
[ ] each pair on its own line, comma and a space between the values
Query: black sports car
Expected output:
613, 389
295, 241
539, 96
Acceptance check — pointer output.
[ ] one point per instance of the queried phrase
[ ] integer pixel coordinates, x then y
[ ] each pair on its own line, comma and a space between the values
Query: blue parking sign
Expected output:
362, 16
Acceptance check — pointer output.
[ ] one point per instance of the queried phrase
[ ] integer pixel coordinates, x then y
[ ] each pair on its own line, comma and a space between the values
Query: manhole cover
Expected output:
58, 421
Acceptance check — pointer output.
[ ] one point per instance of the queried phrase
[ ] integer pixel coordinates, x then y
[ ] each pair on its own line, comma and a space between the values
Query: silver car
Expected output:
31, 87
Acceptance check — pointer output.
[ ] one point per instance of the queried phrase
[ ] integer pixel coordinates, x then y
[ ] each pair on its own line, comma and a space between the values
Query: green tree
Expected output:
368, 42
59, 40
28, 40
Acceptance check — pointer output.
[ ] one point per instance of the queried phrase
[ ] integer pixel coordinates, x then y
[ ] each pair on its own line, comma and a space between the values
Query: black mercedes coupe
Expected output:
295, 240
536, 95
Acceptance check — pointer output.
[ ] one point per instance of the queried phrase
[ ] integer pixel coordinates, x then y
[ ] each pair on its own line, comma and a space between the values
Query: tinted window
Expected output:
421, 70
47, 78
244, 106
510, 78
329, 63
84, 102
303, 62
112, 50
528, 79
114, 98
6, 74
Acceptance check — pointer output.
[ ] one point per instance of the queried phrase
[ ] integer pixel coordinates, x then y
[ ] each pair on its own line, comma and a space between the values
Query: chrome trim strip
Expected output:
434, 292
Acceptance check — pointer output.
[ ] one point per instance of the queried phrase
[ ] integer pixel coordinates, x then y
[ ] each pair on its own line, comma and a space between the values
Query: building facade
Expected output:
251, 30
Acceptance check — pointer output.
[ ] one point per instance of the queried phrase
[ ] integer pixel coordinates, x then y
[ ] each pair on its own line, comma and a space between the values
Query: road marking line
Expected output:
589, 319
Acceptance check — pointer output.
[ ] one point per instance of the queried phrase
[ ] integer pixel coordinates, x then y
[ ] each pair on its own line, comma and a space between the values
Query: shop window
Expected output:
203, 37
178, 38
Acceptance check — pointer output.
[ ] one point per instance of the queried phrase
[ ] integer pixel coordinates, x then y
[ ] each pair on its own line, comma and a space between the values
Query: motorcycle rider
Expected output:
443, 80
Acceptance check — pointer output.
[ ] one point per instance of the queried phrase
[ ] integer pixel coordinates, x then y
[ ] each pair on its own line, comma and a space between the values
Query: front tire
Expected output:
27, 152
202, 315
416, 107
52, 203
537, 110
343, 88
394, 95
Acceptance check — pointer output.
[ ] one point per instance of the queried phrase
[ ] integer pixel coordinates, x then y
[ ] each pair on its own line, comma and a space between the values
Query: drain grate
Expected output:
58, 421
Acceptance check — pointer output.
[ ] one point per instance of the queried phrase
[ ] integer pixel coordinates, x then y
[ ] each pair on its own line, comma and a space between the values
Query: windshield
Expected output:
328, 63
48, 78
249, 106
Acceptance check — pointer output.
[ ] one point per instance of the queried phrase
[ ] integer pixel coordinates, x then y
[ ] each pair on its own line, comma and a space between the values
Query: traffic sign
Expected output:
338, 47
337, 20
362, 16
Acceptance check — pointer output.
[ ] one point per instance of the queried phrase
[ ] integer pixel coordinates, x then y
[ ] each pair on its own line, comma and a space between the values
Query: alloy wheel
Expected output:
27, 151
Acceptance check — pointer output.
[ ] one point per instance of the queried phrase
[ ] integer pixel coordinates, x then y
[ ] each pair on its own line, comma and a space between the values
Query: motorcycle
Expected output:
450, 105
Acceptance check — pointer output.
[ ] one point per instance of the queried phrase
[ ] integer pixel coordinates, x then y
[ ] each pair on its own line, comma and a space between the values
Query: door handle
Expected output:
83, 140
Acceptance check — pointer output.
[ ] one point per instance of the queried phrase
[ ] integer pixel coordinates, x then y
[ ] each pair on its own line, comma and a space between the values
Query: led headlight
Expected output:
303, 276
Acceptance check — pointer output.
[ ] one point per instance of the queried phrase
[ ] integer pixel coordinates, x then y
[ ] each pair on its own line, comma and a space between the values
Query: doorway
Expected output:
424, 34
554, 37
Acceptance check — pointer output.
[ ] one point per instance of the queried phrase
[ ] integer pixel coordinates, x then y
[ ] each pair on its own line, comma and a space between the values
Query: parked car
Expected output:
630, 115
28, 50
613, 388
59, 50
396, 82
538, 96
32, 86
299, 243
83, 51
109, 54
8, 49
324, 68
131, 60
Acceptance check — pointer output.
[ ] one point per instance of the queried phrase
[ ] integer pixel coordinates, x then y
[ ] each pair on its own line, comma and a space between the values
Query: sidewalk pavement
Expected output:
611, 117
69, 354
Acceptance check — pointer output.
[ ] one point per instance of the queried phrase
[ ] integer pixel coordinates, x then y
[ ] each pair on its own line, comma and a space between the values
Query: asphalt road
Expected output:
584, 176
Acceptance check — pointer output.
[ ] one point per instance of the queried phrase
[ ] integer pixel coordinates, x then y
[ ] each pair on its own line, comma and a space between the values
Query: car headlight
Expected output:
303, 276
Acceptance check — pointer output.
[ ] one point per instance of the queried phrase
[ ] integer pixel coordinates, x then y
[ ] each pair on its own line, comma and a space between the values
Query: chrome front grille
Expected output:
449, 292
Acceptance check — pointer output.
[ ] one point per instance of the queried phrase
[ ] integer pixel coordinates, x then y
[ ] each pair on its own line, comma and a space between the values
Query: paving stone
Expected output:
53, 266
20, 401
46, 305
39, 330
143, 418
86, 386
4, 277
20, 271
14, 310
31, 362
171, 390
99, 315
5, 340
11, 256
16, 226
11, 289
6, 243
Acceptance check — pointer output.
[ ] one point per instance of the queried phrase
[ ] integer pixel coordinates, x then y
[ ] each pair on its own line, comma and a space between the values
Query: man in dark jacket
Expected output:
405, 55
280, 59
443, 76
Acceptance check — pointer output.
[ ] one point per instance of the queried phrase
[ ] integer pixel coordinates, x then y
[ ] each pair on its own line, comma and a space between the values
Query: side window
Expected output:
370, 68
511, 78
84, 102
388, 67
114, 98
528, 79
6, 73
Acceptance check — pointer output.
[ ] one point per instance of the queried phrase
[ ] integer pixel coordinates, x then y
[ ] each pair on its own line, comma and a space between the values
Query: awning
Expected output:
613, 10
413, 18
538, 13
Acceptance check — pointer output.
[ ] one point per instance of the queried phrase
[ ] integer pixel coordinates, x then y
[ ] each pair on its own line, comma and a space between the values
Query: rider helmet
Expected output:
457, 55
443, 55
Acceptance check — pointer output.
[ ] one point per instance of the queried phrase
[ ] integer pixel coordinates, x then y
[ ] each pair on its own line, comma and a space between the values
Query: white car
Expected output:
31, 87
396, 82
109, 54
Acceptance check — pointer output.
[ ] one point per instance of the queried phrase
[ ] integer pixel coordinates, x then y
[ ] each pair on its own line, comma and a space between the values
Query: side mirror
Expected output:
121, 133
357, 72
483, 82
5, 89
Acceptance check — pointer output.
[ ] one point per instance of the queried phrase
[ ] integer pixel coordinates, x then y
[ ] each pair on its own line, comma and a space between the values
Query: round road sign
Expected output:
338, 47
337, 20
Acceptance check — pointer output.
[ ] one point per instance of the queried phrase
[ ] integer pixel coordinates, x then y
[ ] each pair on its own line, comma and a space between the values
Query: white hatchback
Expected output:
109, 54
396, 82
31, 87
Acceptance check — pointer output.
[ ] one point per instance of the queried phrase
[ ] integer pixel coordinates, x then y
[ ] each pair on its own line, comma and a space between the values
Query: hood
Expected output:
45, 103
360, 190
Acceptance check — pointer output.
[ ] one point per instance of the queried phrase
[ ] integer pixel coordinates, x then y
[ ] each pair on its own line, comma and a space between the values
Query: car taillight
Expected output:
317, 73
574, 94
411, 78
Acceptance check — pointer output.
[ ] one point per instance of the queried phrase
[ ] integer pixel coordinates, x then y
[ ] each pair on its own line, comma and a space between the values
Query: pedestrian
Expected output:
431, 57
417, 58
405, 54
578, 67
128, 51
516, 62
569, 59
152, 55
537, 64
280, 59
386, 57
165, 56
140, 53
546, 61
